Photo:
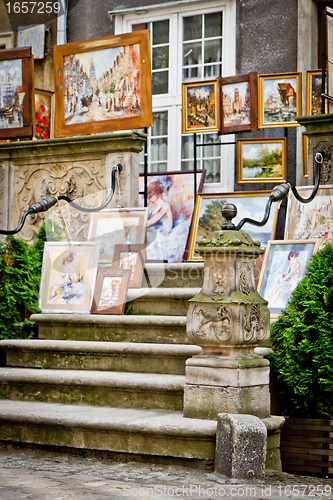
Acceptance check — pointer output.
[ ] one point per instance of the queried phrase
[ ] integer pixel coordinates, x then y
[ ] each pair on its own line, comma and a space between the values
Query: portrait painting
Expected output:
201, 106
207, 217
170, 198
261, 160
110, 291
117, 226
130, 257
103, 85
280, 100
68, 277
284, 265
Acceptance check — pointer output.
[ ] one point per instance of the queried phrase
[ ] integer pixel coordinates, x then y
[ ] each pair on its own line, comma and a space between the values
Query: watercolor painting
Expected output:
130, 257
171, 205
311, 220
111, 291
11, 94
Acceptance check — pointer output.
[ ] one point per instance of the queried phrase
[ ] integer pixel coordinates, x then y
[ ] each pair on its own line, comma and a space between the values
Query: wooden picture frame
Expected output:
207, 216
201, 106
279, 99
239, 103
110, 291
68, 277
169, 240
284, 265
44, 115
16, 103
309, 220
313, 92
261, 160
112, 227
114, 90
130, 257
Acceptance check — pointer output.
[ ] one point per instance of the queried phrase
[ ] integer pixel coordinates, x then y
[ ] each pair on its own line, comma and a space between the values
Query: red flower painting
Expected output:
42, 116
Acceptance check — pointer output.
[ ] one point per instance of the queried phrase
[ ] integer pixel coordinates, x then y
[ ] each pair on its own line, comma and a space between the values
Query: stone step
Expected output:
118, 389
132, 431
99, 327
173, 275
103, 356
161, 301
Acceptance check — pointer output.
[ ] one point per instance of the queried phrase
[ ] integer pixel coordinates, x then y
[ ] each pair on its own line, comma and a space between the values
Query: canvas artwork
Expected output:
261, 160
11, 94
111, 291
43, 115
284, 266
201, 107
313, 93
207, 217
236, 104
279, 100
68, 277
171, 205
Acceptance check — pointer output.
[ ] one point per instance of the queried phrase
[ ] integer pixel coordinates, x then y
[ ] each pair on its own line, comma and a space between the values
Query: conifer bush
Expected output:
302, 342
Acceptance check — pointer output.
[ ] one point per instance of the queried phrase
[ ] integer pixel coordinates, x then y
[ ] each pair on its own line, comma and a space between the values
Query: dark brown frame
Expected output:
252, 79
134, 282
25, 54
142, 38
109, 273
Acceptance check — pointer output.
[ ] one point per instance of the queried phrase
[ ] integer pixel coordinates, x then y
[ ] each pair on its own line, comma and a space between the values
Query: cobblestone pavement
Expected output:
39, 474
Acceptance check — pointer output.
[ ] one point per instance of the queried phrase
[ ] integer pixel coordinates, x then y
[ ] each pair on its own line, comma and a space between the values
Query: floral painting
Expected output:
42, 115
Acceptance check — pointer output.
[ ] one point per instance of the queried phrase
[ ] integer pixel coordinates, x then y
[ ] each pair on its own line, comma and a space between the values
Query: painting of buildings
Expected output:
280, 100
236, 104
11, 95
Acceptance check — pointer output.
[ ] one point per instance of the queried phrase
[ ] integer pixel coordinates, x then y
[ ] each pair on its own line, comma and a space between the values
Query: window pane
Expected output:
213, 24
160, 82
192, 53
160, 124
160, 32
187, 165
212, 170
160, 57
194, 72
192, 28
213, 70
158, 167
213, 51
187, 146
159, 149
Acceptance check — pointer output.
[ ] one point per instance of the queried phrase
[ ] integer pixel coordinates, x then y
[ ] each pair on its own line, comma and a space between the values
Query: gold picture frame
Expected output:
44, 115
201, 110
279, 99
313, 92
261, 160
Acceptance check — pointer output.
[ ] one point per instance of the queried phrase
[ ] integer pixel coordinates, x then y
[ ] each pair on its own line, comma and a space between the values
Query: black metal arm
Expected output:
45, 203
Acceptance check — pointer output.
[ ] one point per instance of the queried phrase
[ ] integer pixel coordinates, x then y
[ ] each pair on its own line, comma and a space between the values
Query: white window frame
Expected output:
175, 12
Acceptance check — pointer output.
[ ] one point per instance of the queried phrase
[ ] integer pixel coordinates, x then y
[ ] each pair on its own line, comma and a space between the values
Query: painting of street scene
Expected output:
261, 160
279, 100
110, 291
11, 95
236, 104
102, 84
200, 107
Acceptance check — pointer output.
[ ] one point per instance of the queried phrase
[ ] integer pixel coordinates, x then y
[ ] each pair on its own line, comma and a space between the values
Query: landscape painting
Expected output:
279, 100
261, 160
201, 107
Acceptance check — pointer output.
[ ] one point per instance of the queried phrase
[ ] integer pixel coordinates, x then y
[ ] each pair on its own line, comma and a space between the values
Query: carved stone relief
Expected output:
207, 324
244, 281
253, 324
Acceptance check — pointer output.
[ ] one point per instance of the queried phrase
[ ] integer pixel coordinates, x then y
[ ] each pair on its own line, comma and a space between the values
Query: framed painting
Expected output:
44, 111
207, 216
110, 291
130, 257
170, 199
103, 85
279, 99
16, 96
261, 160
284, 265
68, 277
126, 226
310, 220
201, 106
239, 103
313, 93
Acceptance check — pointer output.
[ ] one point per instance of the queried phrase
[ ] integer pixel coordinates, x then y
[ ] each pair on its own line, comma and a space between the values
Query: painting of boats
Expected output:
11, 95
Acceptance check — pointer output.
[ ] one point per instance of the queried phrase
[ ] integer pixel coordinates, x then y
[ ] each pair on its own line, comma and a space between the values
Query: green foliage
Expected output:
211, 220
20, 273
302, 341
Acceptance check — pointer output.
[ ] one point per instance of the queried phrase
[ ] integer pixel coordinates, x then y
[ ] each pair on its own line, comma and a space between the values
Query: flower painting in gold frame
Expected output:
279, 99
201, 106
44, 106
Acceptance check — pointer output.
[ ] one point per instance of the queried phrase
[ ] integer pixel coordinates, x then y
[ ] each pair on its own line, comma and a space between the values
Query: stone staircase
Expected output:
110, 383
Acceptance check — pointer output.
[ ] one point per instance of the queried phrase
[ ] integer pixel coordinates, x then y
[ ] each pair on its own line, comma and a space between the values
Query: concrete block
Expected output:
241, 442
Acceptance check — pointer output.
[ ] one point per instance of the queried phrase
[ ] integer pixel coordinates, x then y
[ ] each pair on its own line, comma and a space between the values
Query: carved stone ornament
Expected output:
229, 240
326, 167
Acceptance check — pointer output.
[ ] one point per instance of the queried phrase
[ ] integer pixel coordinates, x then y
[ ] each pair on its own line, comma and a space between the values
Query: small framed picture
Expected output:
126, 226
313, 93
284, 265
239, 96
279, 99
130, 257
201, 106
261, 160
111, 291
68, 277
44, 116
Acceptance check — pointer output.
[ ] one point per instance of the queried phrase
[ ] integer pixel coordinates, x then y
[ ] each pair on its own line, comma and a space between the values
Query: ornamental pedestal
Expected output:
228, 319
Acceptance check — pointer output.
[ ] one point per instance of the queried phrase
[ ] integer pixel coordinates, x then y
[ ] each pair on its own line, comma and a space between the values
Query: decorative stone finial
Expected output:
229, 212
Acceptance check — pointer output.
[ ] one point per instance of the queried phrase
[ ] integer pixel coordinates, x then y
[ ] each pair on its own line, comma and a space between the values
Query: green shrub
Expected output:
20, 273
302, 341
